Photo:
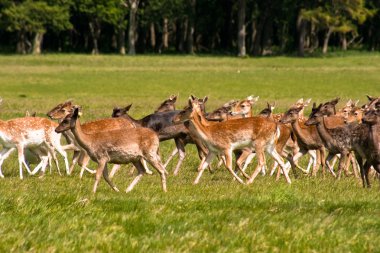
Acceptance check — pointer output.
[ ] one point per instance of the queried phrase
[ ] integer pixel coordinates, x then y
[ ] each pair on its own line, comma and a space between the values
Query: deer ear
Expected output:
173, 98
205, 99
349, 103
76, 113
128, 107
335, 101
356, 103
370, 98
192, 97
314, 105
190, 102
300, 101
307, 102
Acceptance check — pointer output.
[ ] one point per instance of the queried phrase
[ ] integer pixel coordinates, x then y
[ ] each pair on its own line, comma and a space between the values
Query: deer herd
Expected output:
350, 136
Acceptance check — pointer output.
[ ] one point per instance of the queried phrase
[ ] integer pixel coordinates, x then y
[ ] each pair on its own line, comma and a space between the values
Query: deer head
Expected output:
315, 116
118, 112
61, 110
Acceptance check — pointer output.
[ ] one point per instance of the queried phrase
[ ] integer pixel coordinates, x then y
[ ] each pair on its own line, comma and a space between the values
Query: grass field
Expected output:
59, 214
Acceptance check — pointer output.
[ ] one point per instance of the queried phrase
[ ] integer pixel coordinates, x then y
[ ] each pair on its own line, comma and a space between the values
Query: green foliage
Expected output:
36, 16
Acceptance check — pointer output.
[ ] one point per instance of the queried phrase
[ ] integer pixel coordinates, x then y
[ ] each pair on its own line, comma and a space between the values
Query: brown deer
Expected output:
117, 146
307, 137
162, 124
80, 155
222, 138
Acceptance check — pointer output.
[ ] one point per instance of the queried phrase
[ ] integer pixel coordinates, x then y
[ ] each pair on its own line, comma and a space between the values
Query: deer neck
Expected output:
198, 127
374, 133
82, 138
302, 134
134, 121
324, 134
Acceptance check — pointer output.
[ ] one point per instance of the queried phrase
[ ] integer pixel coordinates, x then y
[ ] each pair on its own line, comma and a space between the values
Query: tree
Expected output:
340, 16
35, 17
241, 28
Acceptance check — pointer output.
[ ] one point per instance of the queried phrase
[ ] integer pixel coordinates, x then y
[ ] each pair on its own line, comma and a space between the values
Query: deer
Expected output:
307, 137
339, 138
221, 138
168, 105
369, 149
162, 124
348, 114
80, 156
121, 146
33, 133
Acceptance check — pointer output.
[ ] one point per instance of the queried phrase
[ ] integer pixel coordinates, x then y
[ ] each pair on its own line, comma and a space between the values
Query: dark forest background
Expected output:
241, 27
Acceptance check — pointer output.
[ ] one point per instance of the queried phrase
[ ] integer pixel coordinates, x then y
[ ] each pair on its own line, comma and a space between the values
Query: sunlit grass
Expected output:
59, 213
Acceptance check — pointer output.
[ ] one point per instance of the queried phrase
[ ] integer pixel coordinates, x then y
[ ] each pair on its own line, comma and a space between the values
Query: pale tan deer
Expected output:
34, 133
117, 146
222, 138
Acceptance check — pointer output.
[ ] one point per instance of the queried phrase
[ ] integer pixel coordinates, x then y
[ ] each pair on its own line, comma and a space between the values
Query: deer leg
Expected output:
326, 162
110, 183
147, 170
21, 159
64, 155
181, 153
140, 173
367, 167
205, 162
354, 165
155, 161
74, 161
4, 154
174, 152
362, 173
83, 162
260, 164
228, 156
249, 160
272, 151
98, 175
114, 169
342, 163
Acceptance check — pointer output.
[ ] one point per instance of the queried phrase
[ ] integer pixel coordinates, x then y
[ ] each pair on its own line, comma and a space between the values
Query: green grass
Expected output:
218, 215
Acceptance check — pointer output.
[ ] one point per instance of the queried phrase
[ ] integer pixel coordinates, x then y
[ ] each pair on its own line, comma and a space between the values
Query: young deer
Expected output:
224, 137
117, 146
34, 133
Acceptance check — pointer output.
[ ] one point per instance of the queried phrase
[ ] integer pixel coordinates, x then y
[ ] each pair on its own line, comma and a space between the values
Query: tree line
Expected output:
236, 27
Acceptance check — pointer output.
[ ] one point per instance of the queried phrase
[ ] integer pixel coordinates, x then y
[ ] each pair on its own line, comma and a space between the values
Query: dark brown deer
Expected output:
117, 146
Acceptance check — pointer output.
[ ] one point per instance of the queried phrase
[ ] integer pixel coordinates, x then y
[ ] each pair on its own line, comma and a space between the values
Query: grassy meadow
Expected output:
60, 214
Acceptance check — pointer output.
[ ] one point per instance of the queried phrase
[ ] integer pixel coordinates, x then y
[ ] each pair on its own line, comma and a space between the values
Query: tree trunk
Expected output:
121, 40
326, 41
191, 28
152, 36
301, 27
165, 34
133, 5
37, 42
21, 48
241, 29
95, 34
344, 41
